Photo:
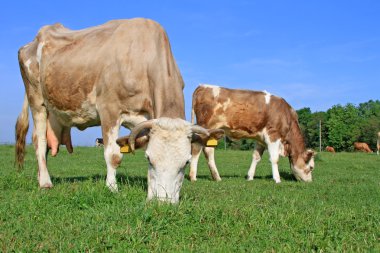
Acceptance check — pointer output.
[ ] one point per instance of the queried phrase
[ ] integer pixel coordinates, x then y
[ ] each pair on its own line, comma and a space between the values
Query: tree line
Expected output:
340, 127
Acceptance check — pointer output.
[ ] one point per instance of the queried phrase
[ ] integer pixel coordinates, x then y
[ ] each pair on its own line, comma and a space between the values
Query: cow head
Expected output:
303, 165
168, 151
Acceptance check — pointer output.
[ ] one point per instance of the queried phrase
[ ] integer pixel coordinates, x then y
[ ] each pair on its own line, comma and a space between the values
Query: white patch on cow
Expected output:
267, 96
274, 150
39, 51
27, 64
40, 133
110, 151
215, 89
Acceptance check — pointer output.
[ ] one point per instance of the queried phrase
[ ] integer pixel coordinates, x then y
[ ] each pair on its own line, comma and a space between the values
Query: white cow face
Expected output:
303, 166
168, 150
168, 153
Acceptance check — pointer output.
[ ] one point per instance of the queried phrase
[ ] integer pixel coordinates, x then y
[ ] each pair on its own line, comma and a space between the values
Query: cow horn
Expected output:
136, 130
199, 130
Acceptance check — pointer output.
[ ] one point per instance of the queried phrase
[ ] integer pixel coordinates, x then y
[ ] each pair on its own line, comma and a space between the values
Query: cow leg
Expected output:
112, 154
40, 145
209, 153
274, 153
256, 157
196, 150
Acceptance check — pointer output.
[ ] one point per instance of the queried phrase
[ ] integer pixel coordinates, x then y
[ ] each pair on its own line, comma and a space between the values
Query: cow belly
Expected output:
87, 116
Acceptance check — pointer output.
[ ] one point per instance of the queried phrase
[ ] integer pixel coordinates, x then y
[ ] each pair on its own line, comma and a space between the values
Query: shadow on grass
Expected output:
134, 181
284, 175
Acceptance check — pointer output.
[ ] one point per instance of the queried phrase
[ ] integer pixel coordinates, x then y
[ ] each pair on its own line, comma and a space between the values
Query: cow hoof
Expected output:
112, 187
249, 179
46, 186
193, 179
218, 179
278, 181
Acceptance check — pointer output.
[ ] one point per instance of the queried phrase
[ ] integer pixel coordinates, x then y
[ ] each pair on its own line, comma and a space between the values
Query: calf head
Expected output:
303, 165
168, 151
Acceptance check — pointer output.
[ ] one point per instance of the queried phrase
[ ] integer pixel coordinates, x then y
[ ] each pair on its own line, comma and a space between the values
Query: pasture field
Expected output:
338, 212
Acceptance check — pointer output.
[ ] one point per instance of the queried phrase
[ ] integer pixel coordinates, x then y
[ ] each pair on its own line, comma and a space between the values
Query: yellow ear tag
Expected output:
212, 142
125, 149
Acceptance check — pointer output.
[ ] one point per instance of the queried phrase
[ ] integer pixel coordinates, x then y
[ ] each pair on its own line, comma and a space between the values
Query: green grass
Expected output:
338, 212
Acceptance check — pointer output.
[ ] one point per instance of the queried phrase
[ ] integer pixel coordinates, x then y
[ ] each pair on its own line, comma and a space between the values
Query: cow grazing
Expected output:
378, 143
119, 73
251, 114
99, 142
362, 146
330, 149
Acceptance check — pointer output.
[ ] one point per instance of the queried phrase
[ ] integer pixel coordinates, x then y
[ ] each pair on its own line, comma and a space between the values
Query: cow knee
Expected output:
116, 160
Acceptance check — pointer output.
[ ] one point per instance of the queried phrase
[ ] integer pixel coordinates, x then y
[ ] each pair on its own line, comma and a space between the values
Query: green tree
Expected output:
343, 126
369, 122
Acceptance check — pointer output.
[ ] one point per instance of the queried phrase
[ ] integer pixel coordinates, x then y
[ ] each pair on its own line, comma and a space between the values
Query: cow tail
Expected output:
22, 126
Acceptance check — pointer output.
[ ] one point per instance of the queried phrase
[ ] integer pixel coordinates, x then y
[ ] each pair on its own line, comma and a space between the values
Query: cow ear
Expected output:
309, 154
140, 141
216, 133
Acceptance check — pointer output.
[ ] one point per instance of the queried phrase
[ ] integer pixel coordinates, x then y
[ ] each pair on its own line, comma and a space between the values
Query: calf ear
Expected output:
308, 155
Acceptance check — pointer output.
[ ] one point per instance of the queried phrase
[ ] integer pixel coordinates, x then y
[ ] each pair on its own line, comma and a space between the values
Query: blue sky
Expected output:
313, 53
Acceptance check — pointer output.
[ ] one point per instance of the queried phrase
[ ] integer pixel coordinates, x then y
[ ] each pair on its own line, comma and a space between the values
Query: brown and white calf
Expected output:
117, 74
378, 143
268, 119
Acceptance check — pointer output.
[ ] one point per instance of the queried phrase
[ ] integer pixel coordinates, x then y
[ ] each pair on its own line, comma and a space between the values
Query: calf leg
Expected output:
209, 153
112, 154
274, 153
196, 150
256, 157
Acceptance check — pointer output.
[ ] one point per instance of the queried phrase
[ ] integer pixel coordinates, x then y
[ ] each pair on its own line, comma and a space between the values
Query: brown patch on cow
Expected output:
115, 160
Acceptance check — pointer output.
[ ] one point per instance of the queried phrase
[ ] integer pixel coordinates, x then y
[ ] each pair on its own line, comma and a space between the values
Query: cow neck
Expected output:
296, 141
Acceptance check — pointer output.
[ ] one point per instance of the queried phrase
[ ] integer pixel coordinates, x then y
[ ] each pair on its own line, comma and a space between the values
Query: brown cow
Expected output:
362, 146
330, 149
257, 115
119, 73
378, 143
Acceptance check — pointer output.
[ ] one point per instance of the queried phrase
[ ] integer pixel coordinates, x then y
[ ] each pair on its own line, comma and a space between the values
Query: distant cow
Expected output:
330, 149
362, 146
121, 73
252, 114
99, 142
378, 143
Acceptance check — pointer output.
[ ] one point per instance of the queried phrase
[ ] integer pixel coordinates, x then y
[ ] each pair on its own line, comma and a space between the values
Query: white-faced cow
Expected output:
257, 115
119, 73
